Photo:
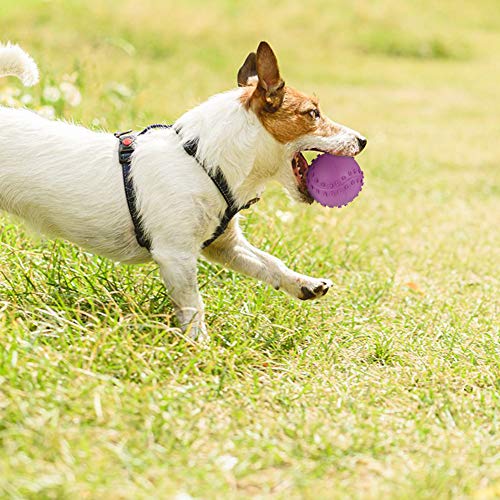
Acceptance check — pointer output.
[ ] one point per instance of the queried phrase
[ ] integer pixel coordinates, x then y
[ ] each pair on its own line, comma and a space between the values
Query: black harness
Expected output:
125, 150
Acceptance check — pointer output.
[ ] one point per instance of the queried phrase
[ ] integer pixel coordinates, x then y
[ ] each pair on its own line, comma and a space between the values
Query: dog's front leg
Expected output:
178, 270
235, 252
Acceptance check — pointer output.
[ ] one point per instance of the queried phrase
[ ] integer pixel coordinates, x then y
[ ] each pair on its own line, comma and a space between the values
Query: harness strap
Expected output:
226, 219
125, 150
218, 178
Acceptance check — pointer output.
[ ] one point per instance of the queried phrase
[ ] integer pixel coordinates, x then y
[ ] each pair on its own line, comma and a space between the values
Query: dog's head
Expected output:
293, 119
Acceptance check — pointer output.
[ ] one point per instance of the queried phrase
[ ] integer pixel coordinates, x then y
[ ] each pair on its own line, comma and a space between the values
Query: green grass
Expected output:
388, 388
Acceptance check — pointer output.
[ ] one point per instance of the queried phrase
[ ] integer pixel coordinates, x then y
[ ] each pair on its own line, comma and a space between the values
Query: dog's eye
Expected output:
314, 113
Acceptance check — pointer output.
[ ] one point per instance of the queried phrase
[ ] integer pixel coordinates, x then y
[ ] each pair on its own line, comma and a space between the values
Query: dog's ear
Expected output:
248, 70
270, 85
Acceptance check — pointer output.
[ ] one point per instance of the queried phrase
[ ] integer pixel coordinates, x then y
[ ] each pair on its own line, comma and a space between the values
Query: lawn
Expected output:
387, 388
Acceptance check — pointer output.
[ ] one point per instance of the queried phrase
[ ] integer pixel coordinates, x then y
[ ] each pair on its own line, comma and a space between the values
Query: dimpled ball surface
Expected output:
334, 181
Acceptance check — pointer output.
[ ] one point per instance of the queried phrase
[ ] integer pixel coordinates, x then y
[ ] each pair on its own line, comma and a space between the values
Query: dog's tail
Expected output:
15, 62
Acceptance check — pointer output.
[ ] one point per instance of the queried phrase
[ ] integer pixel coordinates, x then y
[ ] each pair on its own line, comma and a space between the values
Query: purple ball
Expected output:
334, 181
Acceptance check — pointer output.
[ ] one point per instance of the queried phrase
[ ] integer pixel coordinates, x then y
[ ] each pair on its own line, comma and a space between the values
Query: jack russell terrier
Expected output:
170, 193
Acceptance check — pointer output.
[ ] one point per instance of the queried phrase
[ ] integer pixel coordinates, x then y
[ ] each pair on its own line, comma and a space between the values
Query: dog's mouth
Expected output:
300, 167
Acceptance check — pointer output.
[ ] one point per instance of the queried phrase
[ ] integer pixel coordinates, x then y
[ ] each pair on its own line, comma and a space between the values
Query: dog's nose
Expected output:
362, 143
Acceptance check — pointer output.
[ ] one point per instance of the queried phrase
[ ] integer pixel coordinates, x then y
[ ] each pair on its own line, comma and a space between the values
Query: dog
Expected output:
66, 181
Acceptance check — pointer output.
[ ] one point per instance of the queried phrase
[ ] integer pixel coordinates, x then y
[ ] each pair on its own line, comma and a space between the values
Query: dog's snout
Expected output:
361, 143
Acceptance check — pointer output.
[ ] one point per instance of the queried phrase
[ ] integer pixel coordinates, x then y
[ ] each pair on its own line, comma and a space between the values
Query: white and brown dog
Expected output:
66, 180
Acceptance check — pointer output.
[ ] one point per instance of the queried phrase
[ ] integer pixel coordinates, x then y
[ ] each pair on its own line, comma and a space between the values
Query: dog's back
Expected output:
65, 180
59, 177
52, 173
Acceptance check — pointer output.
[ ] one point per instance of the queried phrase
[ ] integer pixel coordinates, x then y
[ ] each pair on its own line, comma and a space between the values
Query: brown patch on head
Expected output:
298, 115
285, 112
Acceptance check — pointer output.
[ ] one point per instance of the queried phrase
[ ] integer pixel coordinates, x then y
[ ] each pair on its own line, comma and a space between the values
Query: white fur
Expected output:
66, 181
343, 143
15, 62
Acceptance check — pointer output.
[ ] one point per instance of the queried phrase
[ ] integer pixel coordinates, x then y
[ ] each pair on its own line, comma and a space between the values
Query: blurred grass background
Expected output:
389, 388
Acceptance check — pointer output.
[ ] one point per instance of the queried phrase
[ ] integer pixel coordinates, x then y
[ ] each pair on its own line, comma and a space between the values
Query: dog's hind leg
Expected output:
232, 250
178, 272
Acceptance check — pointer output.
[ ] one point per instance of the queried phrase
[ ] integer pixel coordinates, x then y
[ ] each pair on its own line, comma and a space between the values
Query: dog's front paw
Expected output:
314, 289
192, 323
197, 332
